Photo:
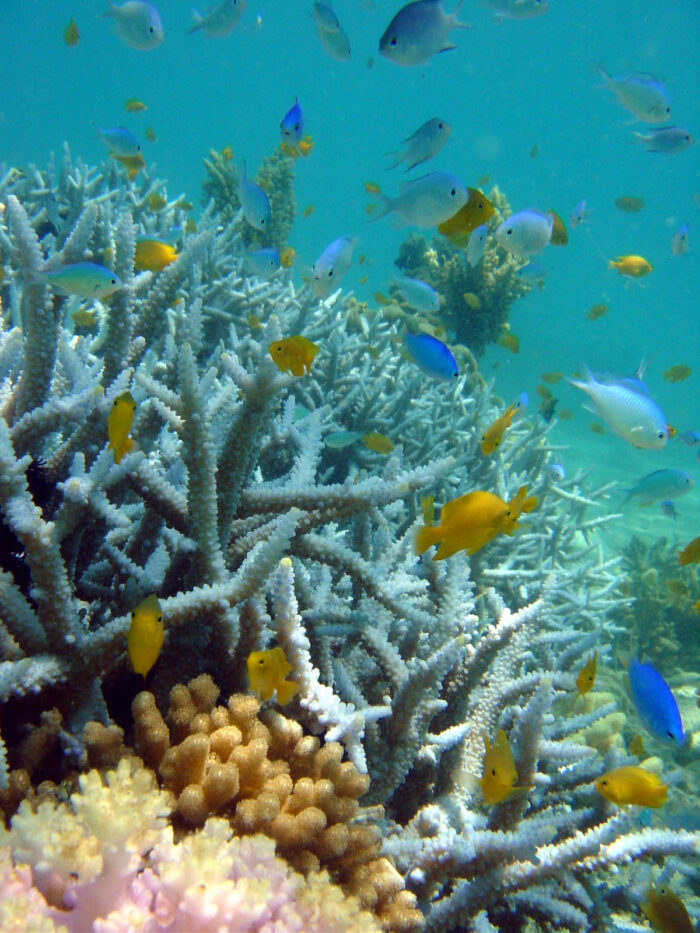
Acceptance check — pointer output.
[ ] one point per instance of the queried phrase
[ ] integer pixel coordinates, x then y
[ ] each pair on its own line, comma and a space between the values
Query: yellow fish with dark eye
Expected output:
145, 638
634, 266
153, 255
559, 235
471, 215
665, 911
631, 784
121, 417
499, 774
266, 673
586, 676
293, 354
493, 435
377, 442
520, 503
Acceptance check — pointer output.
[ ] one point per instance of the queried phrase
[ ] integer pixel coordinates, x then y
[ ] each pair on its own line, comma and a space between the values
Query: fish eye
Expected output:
440, 126
453, 192
279, 349
669, 734
261, 661
159, 619
113, 281
661, 435
330, 273
133, 614
393, 42
509, 231
151, 30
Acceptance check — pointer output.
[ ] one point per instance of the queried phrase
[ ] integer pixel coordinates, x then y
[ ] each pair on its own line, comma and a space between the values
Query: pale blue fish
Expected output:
625, 405
666, 139
118, 140
516, 9
556, 472
533, 273
689, 438
219, 20
138, 23
579, 214
331, 265
325, 17
419, 295
85, 279
668, 508
431, 356
292, 124
254, 202
337, 440
262, 262
679, 243
426, 201
642, 94
332, 35
526, 233
654, 703
661, 484
477, 244
422, 145
418, 31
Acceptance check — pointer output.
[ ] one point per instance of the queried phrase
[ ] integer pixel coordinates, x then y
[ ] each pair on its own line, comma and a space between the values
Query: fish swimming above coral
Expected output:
632, 785
119, 423
661, 484
585, 679
644, 95
145, 636
499, 772
293, 354
426, 201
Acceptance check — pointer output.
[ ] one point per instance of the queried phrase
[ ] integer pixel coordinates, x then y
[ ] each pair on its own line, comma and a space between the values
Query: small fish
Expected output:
262, 262
629, 204
597, 311
516, 9
71, 36
633, 266
308, 211
134, 105
331, 33
219, 20
85, 279
418, 295
678, 590
509, 341
254, 202
533, 273
689, 438
534, 151
493, 435
136, 22
287, 257
379, 443
669, 509
431, 356
422, 145
566, 414
227, 153
632, 785
293, 354
153, 255
654, 703
338, 440
292, 124
254, 322
667, 139
586, 676
642, 94
418, 31
267, 671
150, 134
696, 609
579, 215
526, 233
677, 373
156, 202
679, 242
556, 472
498, 771
84, 317
553, 377
426, 201
472, 300
145, 638
470, 217
133, 164
636, 746
596, 427
476, 245
661, 484
666, 911
427, 507
690, 553
119, 422
559, 235
118, 140
371, 187
331, 265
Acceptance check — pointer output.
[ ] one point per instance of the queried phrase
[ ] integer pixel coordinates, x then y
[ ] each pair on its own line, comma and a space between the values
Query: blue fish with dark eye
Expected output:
431, 356
118, 140
262, 262
418, 31
292, 125
654, 703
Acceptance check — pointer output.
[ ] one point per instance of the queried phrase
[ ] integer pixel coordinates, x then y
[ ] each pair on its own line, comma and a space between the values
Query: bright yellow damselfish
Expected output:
153, 255
475, 212
586, 676
266, 673
634, 266
293, 355
121, 417
493, 435
666, 911
145, 638
379, 443
631, 784
499, 774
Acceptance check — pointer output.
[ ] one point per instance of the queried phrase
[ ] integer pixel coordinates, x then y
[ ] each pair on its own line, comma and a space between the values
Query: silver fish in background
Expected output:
661, 484
669, 509
219, 20
516, 9
332, 265
477, 244
137, 23
679, 241
667, 139
254, 202
418, 31
579, 215
418, 295
642, 94
332, 35
422, 145
526, 233
426, 201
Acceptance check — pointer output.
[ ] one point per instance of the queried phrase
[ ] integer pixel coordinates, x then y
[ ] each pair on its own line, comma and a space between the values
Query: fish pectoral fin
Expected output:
447, 48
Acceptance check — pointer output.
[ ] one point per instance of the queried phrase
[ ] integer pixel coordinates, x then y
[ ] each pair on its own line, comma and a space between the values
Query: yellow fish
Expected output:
677, 373
254, 322
371, 187
552, 378
150, 134
475, 212
84, 318
596, 427
190, 226
559, 235
133, 164
499, 774
520, 503
119, 423
666, 911
308, 211
636, 746
565, 414
629, 204
631, 784
227, 153
287, 257
586, 676
427, 505
71, 36
145, 638
153, 255
134, 105
156, 202
493, 435
634, 266
544, 392
509, 342
696, 607
293, 355
379, 443
266, 673
597, 311
472, 301
690, 553
305, 146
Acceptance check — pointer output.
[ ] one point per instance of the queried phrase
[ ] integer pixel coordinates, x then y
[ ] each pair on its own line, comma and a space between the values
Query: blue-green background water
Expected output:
507, 87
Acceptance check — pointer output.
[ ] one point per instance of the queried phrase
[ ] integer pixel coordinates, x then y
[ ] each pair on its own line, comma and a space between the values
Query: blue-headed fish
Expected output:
418, 31
118, 140
136, 22
292, 124
679, 241
655, 703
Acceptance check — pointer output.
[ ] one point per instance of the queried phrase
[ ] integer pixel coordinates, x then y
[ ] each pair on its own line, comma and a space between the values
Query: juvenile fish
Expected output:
262, 262
477, 245
418, 31
422, 145
679, 242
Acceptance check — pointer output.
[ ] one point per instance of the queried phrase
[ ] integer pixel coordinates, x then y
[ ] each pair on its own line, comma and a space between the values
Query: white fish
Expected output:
426, 201
477, 244
137, 23
516, 9
219, 20
422, 145
419, 295
579, 215
332, 265
679, 243
642, 94
254, 202
627, 408
556, 472
526, 233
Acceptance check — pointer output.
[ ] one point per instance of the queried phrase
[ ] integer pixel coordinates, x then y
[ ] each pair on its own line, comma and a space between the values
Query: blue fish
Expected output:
262, 262
654, 703
661, 484
118, 140
689, 438
666, 139
292, 125
431, 356
668, 508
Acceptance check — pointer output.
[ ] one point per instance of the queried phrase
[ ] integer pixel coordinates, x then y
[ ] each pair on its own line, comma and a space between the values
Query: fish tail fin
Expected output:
286, 689
426, 537
197, 20
605, 75
386, 206
396, 159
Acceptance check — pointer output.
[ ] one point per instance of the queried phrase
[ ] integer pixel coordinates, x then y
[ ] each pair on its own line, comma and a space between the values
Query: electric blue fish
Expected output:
292, 125
654, 703
431, 356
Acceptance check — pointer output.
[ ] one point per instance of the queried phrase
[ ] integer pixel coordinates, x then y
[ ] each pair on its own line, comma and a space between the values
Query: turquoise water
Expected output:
508, 86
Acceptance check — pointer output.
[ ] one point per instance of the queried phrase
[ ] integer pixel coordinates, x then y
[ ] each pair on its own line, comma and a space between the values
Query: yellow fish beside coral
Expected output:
493, 435
586, 676
121, 417
293, 355
666, 911
631, 784
145, 638
471, 215
377, 442
499, 774
266, 673
153, 255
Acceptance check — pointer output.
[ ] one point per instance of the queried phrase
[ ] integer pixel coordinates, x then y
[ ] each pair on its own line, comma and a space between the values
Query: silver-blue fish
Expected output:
254, 202
654, 703
118, 140
422, 145
418, 31
292, 124
661, 484
477, 244
138, 23
679, 241
219, 20
418, 295
426, 201
642, 94
332, 35
85, 279
262, 262
526, 233
666, 139
331, 265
